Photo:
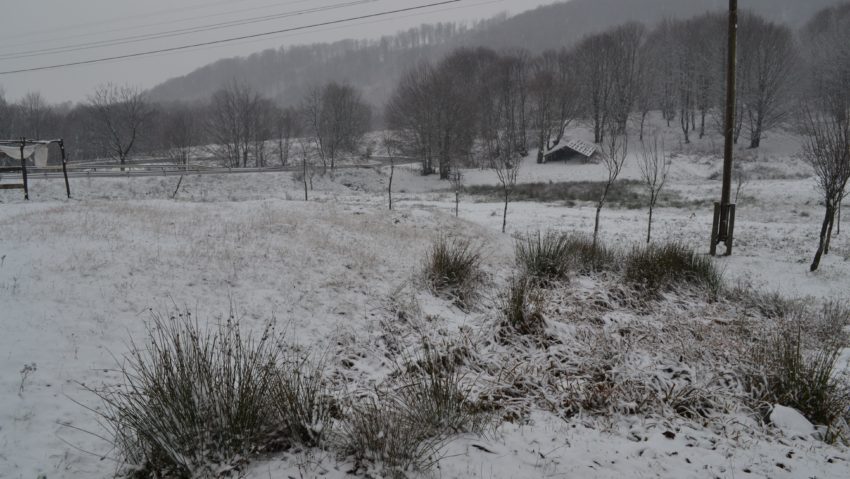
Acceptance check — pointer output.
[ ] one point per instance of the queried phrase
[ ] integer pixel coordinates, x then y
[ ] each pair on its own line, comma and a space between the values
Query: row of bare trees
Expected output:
237, 126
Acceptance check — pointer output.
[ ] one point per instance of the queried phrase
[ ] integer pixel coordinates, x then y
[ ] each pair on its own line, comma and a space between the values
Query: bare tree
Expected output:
596, 56
434, 109
5, 116
456, 179
287, 129
33, 114
391, 144
307, 168
121, 114
501, 126
233, 123
553, 98
767, 67
181, 133
336, 119
614, 152
827, 147
654, 167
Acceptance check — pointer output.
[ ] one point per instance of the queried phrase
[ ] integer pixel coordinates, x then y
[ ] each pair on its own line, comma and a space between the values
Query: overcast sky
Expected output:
35, 29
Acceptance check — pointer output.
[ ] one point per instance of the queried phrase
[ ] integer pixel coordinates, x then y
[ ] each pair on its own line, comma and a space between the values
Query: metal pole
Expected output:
729, 125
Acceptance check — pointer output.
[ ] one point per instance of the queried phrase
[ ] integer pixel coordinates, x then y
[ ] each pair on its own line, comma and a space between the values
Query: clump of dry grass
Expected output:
405, 426
656, 268
453, 268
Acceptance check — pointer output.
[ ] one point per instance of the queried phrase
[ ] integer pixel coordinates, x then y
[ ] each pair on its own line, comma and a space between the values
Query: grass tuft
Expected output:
656, 268
545, 257
804, 379
193, 401
453, 267
405, 427
521, 308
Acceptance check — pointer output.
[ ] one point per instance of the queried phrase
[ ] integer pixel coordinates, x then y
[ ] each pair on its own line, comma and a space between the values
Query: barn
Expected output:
571, 148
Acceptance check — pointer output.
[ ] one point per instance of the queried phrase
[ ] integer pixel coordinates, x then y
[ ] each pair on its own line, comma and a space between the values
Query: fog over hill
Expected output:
375, 66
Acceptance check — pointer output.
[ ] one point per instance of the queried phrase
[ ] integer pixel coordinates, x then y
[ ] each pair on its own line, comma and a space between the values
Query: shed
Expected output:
570, 148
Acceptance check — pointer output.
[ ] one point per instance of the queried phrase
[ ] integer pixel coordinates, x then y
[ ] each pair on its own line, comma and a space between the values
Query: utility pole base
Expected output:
723, 228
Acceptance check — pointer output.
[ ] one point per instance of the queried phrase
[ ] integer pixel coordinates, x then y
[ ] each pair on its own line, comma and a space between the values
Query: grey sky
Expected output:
32, 26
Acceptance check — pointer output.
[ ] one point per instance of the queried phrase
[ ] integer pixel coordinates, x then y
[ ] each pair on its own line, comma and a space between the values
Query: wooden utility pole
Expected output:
723, 227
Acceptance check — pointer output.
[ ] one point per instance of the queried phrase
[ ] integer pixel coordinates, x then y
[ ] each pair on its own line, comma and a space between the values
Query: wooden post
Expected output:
24, 169
715, 229
730, 234
729, 128
65, 168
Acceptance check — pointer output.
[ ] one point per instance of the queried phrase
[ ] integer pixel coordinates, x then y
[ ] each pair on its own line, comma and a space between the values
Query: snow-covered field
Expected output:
79, 278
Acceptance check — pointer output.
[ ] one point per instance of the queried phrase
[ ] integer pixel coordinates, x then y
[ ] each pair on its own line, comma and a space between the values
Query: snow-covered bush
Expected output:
785, 372
193, 399
520, 308
589, 258
659, 267
546, 257
453, 268
405, 426
303, 401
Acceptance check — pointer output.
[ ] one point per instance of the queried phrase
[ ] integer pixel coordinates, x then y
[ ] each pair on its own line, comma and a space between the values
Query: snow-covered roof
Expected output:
579, 146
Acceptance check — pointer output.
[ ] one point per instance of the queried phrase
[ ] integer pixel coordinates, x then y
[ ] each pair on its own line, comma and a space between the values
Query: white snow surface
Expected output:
791, 421
79, 278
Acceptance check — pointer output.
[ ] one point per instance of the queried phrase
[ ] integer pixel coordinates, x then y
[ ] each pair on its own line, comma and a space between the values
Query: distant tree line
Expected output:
476, 104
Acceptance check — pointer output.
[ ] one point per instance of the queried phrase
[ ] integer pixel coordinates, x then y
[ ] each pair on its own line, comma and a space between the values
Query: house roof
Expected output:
579, 146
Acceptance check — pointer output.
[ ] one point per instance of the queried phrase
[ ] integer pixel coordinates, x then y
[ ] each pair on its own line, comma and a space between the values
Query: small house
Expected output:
569, 149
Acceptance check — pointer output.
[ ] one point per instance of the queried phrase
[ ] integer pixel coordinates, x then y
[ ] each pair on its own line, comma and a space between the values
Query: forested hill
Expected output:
375, 66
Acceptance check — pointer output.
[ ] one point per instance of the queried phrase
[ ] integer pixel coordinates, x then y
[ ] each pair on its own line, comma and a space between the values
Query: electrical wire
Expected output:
232, 39
90, 33
179, 32
331, 28
117, 19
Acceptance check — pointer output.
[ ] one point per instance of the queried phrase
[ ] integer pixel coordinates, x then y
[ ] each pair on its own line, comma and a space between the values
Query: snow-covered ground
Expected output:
79, 278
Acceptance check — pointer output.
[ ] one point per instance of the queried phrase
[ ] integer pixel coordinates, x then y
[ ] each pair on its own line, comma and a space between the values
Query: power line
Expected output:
233, 39
116, 19
193, 18
179, 32
332, 28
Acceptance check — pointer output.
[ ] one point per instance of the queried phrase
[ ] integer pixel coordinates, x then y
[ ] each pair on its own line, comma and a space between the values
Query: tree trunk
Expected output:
596, 225
304, 163
505, 215
457, 204
823, 236
390, 187
829, 234
649, 227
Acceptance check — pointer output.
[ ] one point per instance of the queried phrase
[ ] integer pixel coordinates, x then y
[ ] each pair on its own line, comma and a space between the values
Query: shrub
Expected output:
376, 431
655, 268
193, 401
303, 402
770, 305
453, 267
405, 427
588, 258
804, 380
545, 257
520, 307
